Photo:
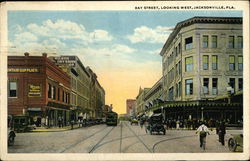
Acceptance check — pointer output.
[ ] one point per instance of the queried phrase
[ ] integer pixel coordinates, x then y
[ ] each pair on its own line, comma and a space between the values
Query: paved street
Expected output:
122, 138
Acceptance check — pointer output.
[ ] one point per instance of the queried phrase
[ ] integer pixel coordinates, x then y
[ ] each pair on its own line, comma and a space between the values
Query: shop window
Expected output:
240, 63
189, 86
205, 41
189, 64
240, 42
215, 86
240, 84
12, 89
214, 41
231, 63
205, 85
189, 43
214, 62
205, 62
231, 42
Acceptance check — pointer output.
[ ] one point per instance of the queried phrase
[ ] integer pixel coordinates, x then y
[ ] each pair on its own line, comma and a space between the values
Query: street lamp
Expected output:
162, 113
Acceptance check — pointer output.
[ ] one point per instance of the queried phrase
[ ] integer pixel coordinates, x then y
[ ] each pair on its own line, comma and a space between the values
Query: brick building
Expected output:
38, 88
130, 106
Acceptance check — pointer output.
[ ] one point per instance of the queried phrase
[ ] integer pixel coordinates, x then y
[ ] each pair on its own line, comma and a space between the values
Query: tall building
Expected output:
130, 106
39, 89
80, 85
202, 60
97, 95
140, 100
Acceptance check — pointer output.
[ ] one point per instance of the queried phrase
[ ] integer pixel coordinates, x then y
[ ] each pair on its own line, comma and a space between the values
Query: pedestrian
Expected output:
177, 125
72, 123
203, 131
59, 121
221, 133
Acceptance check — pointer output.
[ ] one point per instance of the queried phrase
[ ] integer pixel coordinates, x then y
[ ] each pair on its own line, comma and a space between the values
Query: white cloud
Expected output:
157, 51
149, 35
25, 37
100, 35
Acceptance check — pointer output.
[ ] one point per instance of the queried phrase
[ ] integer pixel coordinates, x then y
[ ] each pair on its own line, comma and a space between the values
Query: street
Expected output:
123, 138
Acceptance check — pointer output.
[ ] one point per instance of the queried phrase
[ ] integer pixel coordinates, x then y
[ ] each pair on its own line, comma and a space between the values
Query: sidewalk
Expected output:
54, 129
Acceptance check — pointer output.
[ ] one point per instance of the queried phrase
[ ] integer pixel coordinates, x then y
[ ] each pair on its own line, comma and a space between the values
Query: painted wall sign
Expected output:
34, 90
23, 70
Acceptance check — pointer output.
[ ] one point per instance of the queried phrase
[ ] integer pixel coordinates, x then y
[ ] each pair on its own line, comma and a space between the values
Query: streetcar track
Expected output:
139, 138
78, 142
161, 141
96, 145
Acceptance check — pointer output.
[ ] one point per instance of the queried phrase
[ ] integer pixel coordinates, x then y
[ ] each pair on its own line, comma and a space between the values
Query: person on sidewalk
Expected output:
221, 133
203, 131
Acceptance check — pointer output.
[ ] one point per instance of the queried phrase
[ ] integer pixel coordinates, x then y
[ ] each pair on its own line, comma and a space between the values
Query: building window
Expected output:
12, 89
179, 66
49, 91
240, 63
240, 42
205, 62
176, 51
205, 85
231, 63
231, 42
215, 86
179, 47
54, 92
240, 84
177, 90
189, 64
171, 93
179, 86
58, 94
189, 86
214, 41
189, 43
205, 41
232, 84
214, 62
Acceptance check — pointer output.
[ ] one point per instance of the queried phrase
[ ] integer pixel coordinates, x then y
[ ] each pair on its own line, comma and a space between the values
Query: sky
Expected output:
121, 47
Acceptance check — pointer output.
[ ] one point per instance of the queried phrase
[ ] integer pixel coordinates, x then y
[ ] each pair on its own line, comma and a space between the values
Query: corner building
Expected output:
201, 59
39, 89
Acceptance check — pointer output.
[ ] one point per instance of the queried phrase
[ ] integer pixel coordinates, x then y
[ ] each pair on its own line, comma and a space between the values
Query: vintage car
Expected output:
22, 123
155, 124
235, 142
11, 134
134, 121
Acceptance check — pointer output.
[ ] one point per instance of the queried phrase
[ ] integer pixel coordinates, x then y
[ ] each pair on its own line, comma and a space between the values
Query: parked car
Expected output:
11, 134
134, 121
235, 142
22, 123
155, 124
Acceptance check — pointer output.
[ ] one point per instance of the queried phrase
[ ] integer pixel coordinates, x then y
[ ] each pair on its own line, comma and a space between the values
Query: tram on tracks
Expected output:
111, 118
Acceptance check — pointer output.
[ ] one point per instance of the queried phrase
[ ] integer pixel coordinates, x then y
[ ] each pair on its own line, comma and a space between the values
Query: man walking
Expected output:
203, 131
221, 133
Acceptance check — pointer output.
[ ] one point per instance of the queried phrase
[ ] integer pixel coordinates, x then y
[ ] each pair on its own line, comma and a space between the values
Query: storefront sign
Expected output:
69, 60
23, 70
34, 90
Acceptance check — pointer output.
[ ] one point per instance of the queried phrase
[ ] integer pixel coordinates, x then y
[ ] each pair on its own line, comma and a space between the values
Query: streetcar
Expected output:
111, 118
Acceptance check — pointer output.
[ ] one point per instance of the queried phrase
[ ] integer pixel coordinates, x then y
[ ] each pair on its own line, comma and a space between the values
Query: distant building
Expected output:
130, 105
39, 89
140, 100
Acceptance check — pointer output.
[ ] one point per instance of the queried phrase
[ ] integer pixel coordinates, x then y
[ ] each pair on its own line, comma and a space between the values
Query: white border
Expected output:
108, 6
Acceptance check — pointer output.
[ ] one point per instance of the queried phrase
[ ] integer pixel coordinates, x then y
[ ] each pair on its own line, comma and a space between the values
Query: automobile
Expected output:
11, 134
22, 123
155, 124
235, 142
134, 121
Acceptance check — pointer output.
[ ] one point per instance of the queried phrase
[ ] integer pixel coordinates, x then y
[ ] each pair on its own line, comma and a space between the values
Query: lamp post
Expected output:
162, 112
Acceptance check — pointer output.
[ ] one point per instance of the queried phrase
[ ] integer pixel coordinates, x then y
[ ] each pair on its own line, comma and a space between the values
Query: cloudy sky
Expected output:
122, 47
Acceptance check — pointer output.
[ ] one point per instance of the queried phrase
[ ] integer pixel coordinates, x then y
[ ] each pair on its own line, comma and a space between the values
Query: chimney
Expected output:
45, 55
26, 54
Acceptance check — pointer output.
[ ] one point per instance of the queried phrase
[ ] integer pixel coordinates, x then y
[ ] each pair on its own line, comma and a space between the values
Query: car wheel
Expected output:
232, 144
11, 140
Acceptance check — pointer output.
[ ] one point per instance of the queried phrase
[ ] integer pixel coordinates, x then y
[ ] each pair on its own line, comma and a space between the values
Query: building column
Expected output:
198, 65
